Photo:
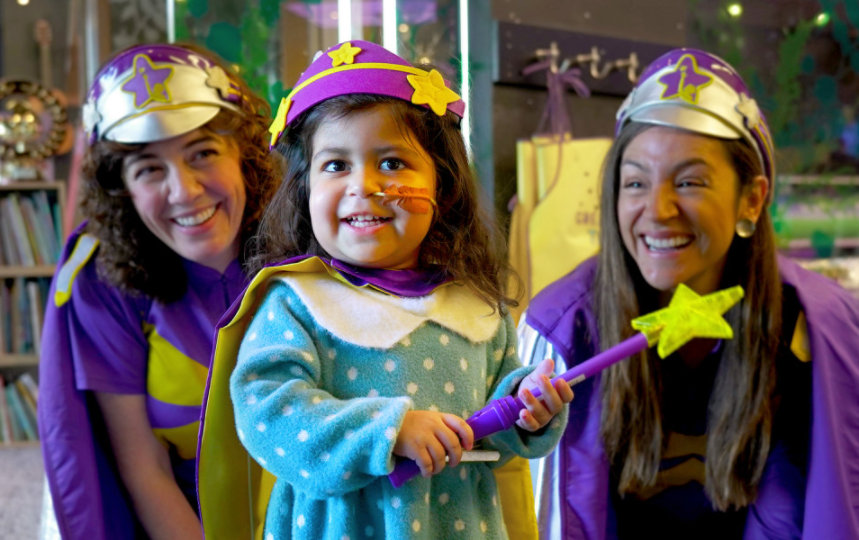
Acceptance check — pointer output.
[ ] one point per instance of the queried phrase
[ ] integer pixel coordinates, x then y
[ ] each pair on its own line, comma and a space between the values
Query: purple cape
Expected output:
89, 498
563, 311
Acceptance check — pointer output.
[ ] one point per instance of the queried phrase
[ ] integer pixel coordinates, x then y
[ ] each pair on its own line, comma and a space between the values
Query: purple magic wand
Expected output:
687, 316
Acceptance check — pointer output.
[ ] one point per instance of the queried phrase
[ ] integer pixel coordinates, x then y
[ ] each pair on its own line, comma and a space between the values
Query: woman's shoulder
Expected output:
572, 292
77, 280
562, 313
818, 295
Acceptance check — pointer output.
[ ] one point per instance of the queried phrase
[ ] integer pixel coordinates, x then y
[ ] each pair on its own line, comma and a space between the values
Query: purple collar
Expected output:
407, 283
201, 273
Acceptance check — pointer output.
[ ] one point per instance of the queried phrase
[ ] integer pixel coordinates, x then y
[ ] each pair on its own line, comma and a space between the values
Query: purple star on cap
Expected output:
685, 81
148, 82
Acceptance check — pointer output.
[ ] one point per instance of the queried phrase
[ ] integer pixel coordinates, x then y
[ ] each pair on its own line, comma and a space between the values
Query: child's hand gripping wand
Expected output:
688, 316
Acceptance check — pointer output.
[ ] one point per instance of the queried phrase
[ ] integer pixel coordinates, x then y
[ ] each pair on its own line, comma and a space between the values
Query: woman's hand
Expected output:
538, 411
429, 437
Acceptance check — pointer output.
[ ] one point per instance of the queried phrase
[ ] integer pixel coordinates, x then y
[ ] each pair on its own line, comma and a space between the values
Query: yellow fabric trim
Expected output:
175, 107
234, 490
184, 438
170, 373
349, 67
799, 342
517, 499
83, 250
691, 470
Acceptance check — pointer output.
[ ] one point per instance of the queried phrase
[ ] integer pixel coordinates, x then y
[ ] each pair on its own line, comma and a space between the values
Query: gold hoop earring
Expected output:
745, 228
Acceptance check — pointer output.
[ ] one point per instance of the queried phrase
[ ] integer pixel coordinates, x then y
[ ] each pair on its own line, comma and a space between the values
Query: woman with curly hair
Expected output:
175, 178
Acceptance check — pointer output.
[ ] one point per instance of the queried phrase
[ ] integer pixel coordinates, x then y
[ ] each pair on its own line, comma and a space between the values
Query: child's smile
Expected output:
357, 160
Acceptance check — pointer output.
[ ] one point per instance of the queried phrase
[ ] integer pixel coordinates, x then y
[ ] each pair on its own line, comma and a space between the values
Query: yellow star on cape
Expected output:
279, 123
431, 90
344, 55
688, 315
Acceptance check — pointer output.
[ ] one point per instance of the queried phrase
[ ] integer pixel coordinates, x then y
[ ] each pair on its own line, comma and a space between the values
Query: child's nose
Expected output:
364, 182
184, 184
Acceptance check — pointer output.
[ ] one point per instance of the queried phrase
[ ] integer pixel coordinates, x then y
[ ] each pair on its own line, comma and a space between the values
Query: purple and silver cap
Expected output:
153, 92
361, 67
699, 92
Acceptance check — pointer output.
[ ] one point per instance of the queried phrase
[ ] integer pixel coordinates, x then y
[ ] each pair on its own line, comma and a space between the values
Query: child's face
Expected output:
353, 158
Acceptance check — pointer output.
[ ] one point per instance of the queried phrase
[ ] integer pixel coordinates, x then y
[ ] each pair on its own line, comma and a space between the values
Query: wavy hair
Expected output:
130, 256
462, 240
740, 410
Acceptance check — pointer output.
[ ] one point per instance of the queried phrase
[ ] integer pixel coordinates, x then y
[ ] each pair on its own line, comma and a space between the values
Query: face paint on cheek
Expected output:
410, 199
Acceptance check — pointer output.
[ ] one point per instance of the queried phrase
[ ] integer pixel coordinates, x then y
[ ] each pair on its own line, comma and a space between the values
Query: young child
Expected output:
383, 330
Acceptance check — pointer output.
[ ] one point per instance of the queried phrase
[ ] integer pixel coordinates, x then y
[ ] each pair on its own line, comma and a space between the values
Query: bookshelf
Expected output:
31, 239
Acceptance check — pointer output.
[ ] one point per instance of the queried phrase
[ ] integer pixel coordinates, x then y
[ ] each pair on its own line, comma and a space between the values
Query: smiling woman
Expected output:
175, 176
721, 439
190, 193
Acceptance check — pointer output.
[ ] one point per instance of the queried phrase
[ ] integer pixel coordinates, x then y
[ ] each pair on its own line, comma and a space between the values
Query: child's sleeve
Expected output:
290, 424
506, 374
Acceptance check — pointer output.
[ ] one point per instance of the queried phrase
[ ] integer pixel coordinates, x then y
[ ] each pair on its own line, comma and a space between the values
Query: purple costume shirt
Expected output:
562, 315
97, 338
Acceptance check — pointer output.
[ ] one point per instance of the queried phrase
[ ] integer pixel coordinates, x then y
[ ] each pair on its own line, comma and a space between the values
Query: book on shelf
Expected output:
5, 420
15, 427
35, 307
12, 213
5, 322
30, 383
31, 225
40, 233
26, 426
23, 301
7, 237
50, 224
29, 404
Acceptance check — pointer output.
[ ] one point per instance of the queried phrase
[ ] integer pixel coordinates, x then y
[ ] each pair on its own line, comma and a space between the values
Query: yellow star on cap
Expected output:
689, 315
748, 107
219, 80
344, 55
279, 123
431, 90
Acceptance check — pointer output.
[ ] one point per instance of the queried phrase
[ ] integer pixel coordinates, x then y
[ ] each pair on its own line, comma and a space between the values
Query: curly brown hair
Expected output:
130, 256
463, 241
740, 413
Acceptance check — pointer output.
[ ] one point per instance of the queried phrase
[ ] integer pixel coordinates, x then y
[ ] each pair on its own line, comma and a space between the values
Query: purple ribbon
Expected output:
557, 82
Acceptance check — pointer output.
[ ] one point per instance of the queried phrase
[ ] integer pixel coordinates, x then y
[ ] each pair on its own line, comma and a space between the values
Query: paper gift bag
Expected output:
517, 248
563, 229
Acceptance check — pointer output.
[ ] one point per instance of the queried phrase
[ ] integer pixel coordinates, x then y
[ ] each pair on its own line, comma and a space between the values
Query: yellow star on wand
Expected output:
279, 123
431, 90
344, 55
688, 315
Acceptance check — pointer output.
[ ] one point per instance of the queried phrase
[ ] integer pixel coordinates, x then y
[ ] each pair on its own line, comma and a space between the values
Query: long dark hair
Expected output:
463, 241
130, 256
740, 411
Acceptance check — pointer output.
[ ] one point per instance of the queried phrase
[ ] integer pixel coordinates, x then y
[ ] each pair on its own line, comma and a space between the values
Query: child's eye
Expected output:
335, 165
392, 164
